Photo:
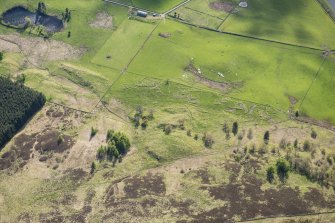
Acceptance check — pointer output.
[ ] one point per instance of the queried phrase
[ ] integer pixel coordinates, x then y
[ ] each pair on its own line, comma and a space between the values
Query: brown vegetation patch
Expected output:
246, 200
19, 153
24, 218
149, 184
135, 187
315, 198
102, 21
37, 50
77, 176
203, 175
222, 6
53, 141
82, 214
51, 217
145, 209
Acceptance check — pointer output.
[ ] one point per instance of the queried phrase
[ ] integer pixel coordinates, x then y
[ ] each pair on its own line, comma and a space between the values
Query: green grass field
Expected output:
256, 65
297, 22
319, 102
118, 51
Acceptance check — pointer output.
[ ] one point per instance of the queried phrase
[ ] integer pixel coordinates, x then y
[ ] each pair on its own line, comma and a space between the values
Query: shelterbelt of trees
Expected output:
17, 104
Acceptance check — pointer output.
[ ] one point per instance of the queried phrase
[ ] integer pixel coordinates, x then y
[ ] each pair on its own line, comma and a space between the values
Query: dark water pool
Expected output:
18, 17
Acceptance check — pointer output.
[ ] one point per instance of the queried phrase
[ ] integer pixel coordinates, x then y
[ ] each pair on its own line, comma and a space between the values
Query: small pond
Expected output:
18, 17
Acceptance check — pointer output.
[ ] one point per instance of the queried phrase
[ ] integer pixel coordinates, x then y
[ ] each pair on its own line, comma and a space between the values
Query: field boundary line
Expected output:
244, 36
129, 6
125, 69
325, 11
195, 10
176, 7
65, 106
225, 19
315, 77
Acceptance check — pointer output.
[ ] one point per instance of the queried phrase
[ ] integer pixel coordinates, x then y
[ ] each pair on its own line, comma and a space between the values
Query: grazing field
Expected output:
321, 94
254, 66
296, 22
153, 120
118, 51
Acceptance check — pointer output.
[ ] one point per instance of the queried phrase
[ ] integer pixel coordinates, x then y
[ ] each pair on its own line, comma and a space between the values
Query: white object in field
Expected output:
243, 4
221, 74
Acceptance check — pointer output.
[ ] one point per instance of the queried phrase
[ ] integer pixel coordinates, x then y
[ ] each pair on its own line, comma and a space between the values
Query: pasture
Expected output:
302, 23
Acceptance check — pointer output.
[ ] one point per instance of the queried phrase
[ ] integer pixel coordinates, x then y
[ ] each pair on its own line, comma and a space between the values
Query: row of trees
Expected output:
19, 103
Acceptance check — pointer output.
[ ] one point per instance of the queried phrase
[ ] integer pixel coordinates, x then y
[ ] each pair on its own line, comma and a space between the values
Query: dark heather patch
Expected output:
149, 184
77, 218
80, 217
203, 175
255, 164
49, 141
4, 164
77, 176
315, 198
89, 197
24, 218
67, 199
51, 217
20, 152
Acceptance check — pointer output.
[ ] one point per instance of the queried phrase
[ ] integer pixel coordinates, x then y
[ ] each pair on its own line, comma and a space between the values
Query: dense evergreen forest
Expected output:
17, 104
